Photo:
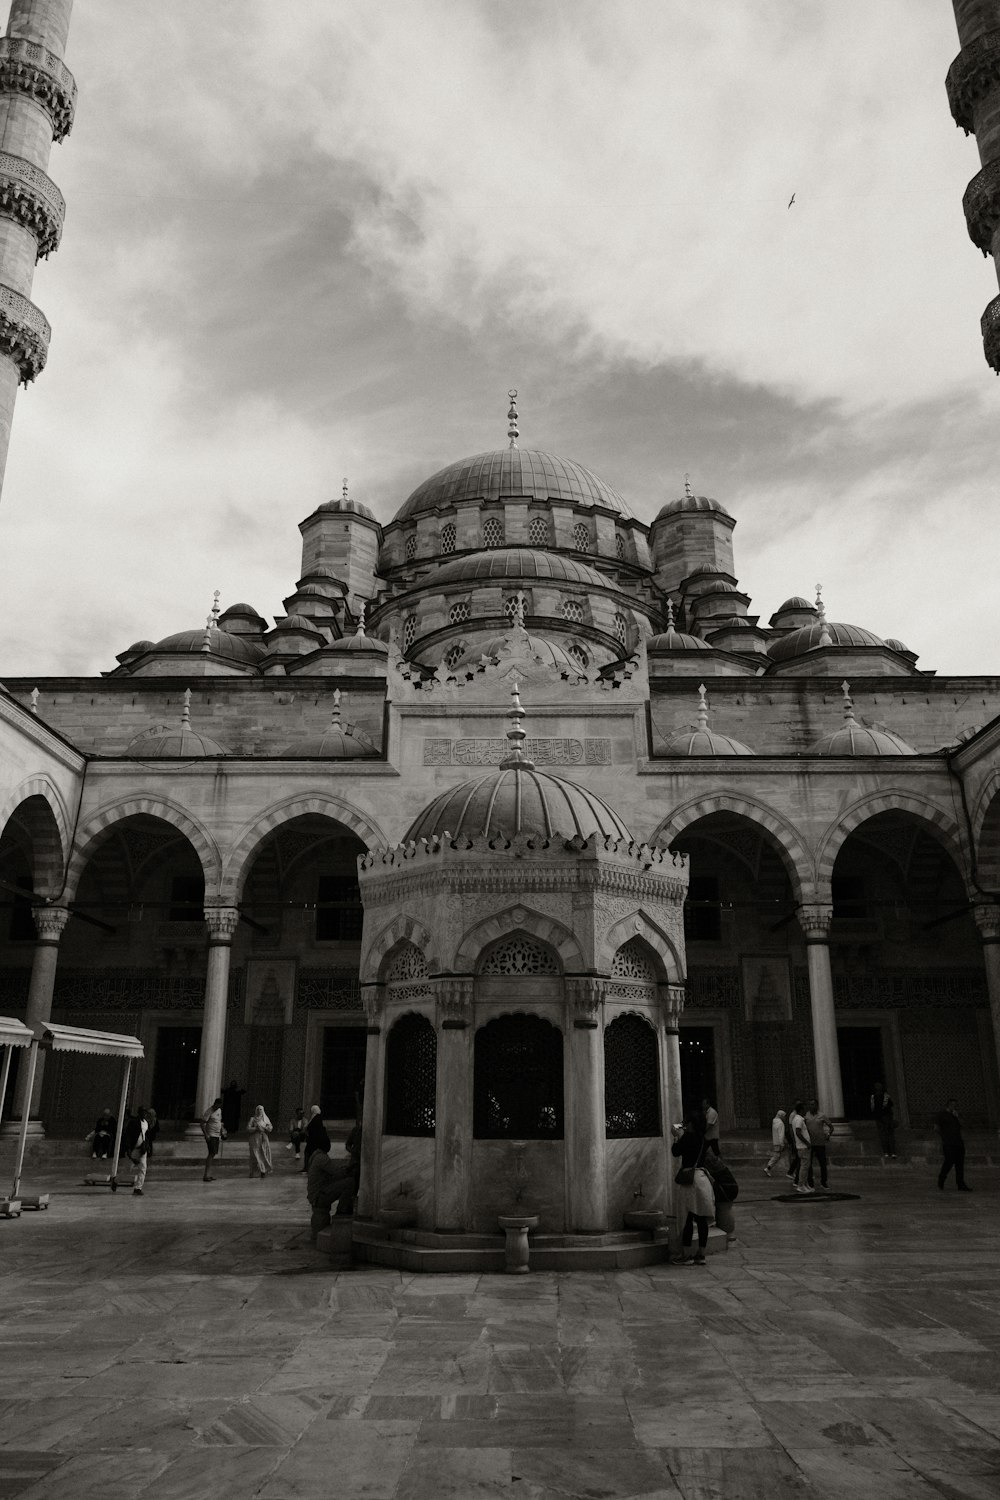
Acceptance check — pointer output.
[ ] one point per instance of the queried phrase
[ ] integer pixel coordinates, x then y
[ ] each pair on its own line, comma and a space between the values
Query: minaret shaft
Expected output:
973, 86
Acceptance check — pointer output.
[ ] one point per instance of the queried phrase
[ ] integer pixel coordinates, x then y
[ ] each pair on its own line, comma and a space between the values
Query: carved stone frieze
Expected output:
222, 922
973, 74
981, 203
31, 199
455, 1003
585, 994
24, 334
672, 997
50, 922
815, 919
29, 68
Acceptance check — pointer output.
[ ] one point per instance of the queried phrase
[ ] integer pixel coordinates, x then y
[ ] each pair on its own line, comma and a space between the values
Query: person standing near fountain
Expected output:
695, 1194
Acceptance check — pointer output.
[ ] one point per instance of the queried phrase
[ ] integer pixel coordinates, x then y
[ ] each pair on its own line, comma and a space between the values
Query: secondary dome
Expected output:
691, 503
347, 506
702, 740
853, 738
808, 637
220, 643
335, 743
505, 472
676, 640
515, 562
538, 647
168, 740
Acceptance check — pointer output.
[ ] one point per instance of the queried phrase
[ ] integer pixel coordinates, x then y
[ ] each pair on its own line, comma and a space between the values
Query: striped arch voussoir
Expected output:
519, 919
241, 855
638, 925
937, 822
49, 835
798, 863
98, 827
402, 929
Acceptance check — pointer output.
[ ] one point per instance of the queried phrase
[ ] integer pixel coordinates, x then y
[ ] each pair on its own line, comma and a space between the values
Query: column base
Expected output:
11, 1129
193, 1132
842, 1130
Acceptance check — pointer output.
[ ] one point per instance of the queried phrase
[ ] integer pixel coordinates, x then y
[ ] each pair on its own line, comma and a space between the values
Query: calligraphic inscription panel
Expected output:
544, 752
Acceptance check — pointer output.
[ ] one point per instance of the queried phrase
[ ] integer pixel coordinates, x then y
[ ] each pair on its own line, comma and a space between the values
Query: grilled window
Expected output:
460, 612
410, 1077
621, 629
572, 609
518, 1080
409, 632
631, 1078
410, 548
581, 537
492, 533
538, 532
448, 537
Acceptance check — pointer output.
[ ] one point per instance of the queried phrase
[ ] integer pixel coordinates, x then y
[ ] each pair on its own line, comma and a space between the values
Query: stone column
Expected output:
221, 922
453, 1106
586, 1166
50, 923
815, 919
987, 916
671, 1091
373, 999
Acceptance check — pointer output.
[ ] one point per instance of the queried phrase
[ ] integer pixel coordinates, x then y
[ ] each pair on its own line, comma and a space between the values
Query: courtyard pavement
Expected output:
191, 1343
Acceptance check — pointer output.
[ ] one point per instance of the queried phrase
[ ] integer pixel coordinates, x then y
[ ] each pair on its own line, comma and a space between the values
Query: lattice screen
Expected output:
520, 954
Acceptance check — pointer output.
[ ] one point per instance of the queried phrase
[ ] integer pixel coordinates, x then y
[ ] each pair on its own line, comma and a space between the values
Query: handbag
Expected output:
685, 1175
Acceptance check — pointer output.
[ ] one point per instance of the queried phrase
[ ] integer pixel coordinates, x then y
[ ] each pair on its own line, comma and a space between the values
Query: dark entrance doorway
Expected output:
343, 1071
697, 1045
861, 1065
175, 1072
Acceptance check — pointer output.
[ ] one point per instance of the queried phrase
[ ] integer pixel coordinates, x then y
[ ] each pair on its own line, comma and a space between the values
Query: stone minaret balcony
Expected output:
973, 85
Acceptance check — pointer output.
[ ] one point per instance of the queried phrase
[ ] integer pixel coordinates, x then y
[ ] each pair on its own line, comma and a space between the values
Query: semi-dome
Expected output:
219, 643
691, 503
538, 647
809, 637
516, 798
507, 472
515, 563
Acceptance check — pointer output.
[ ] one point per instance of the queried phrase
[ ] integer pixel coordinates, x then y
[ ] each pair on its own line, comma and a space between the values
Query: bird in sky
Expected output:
791, 200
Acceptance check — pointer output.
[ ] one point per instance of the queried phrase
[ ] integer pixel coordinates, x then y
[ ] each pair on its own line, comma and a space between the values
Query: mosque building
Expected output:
516, 830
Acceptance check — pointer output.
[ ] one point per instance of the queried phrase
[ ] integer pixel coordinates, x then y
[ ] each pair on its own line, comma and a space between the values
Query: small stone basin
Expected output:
518, 1221
397, 1218
515, 1227
644, 1218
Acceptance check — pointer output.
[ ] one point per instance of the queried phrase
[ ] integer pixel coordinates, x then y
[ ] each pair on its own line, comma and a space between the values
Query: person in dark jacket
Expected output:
316, 1136
953, 1145
694, 1200
883, 1115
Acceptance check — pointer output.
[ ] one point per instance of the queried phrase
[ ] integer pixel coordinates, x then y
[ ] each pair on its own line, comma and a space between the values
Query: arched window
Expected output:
620, 546
520, 954
407, 963
577, 654
518, 1080
409, 632
572, 609
410, 1077
410, 548
448, 537
634, 961
493, 533
460, 612
621, 629
454, 655
538, 532
581, 537
631, 1078
510, 605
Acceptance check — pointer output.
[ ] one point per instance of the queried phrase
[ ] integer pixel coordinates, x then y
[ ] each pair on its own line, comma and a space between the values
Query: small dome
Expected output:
136, 649
347, 506
853, 738
220, 643
688, 503
795, 605
734, 622
246, 611
514, 563
164, 741
298, 622
335, 743
517, 799
692, 741
807, 638
896, 645
506, 472
676, 640
359, 642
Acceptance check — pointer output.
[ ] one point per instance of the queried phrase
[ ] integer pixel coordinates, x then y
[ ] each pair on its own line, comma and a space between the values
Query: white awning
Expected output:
99, 1043
15, 1033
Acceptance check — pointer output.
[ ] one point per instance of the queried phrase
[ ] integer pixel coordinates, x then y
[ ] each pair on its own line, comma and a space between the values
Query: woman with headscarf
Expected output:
260, 1147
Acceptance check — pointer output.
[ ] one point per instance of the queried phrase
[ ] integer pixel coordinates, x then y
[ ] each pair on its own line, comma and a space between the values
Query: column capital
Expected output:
50, 922
987, 919
222, 922
454, 1002
815, 918
585, 994
373, 1001
672, 997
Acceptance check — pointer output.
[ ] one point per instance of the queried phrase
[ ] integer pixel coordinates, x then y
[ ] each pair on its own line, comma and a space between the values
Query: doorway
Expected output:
862, 1062
343, 1073
697, 1048
175, 1072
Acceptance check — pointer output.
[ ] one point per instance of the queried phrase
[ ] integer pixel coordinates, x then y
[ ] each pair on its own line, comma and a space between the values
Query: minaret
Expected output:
973, 85
37, 100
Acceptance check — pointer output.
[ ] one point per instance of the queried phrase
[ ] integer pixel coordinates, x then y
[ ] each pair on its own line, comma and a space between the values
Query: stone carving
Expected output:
50, 922
373, 1002
31, 199
491, 751
815, 919
975, 71
585, 995
672, 998
987, 917
632, 961
520, 954
28, 68
222, 922
454, 1003
328, 989
408, 963
24, 334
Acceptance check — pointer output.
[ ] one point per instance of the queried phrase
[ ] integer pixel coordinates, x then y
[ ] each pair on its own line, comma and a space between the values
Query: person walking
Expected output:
883, 1114
259, 1129
316, 1136
819, 1130
215, 1133
135, 1142
800, 1139
711, 1126
296, 1132
779, 1144
695, 1197
949, 1126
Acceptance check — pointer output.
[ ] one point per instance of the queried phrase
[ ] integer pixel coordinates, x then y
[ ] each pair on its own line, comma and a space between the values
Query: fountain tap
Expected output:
638, 1192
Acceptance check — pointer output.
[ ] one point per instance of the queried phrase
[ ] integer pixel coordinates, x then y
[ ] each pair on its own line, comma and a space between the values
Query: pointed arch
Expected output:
402, 929
320, 804
638, 925
937, 822
39, 808
518, 918
785, 837
101, 824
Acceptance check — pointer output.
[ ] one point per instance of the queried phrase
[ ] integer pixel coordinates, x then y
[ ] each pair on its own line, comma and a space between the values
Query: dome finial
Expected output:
687, 486
345, 493
702, 708
845, 688
515, 759
186, 712
670, 615
361, 619
335, 711
212, 622
825, 638
512, 432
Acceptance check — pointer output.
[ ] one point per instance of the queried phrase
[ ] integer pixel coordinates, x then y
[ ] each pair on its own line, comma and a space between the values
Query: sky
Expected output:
320, 240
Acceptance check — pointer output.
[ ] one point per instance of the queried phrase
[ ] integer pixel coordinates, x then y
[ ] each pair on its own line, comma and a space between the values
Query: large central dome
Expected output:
506, 472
